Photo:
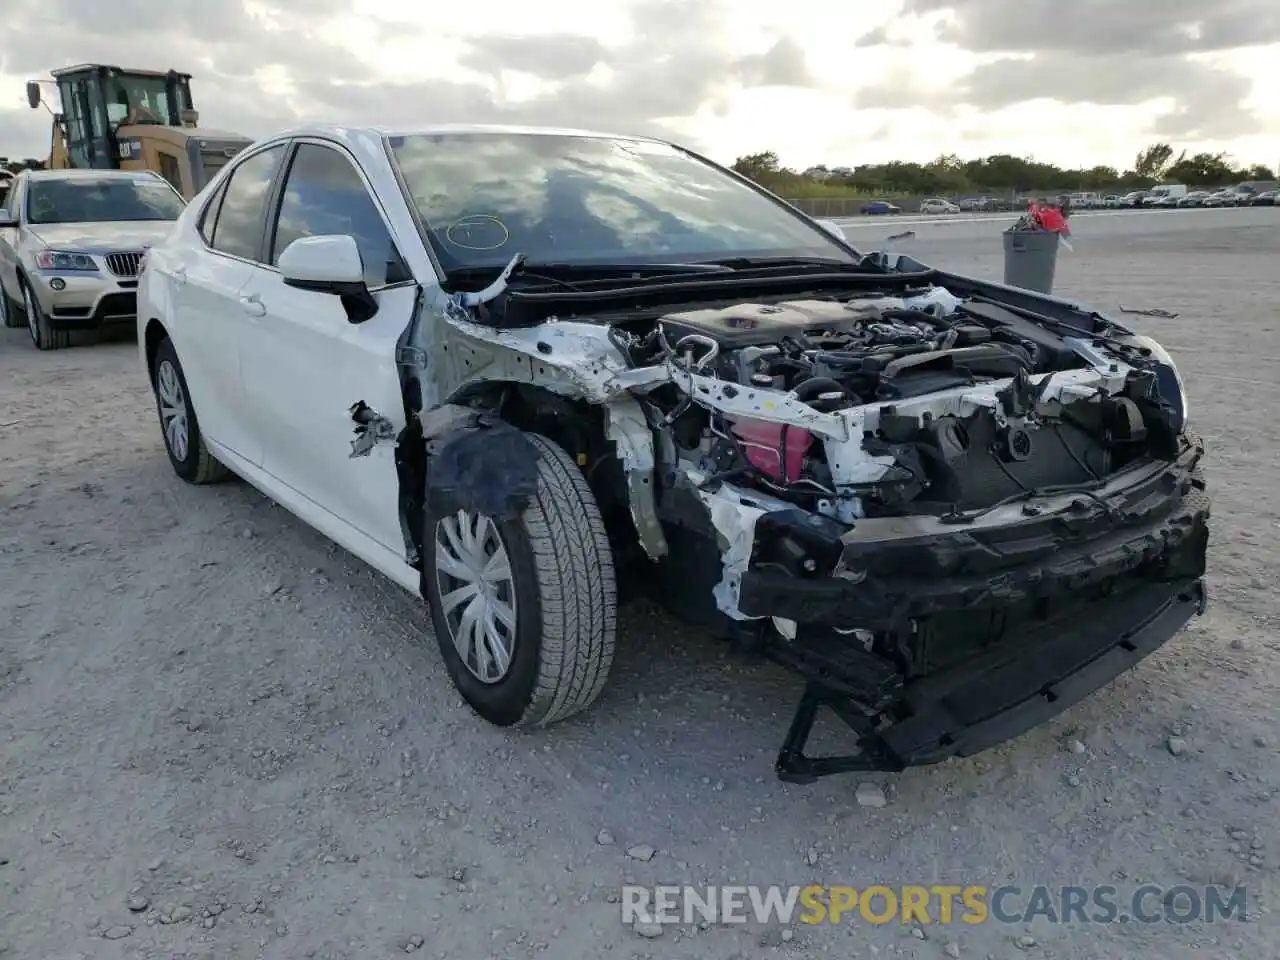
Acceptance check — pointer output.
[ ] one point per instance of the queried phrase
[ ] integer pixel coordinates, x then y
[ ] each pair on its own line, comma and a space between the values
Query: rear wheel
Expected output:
183, 441
43, 334
525, 609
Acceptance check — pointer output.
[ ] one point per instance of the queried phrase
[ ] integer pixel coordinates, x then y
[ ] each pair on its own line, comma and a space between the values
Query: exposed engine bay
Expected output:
919, 404
953, 507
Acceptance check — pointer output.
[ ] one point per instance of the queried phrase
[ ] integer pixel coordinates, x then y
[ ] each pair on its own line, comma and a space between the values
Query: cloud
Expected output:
782, 65
723, 76
1103, 53
677, 60
1137, 28
553, 57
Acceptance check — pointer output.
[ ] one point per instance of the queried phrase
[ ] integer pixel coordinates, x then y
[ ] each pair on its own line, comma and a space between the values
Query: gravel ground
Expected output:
223, 737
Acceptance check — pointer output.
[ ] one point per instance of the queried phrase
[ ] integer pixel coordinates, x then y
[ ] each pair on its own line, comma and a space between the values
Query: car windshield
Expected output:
83, 200
485, 197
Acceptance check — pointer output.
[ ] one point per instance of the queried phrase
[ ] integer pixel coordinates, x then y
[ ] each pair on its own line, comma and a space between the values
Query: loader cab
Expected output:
115, 119
98, 100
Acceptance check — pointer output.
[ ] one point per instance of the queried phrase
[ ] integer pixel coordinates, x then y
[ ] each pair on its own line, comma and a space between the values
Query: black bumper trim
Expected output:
976, 707
991, 700
116, 308
1057, 566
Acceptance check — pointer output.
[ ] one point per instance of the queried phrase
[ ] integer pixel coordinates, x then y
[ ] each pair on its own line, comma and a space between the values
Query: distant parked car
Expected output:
1195, 198
1111, 201
937, 205
1244, 193
1265, 199
878, 208
1222, 198
70, 245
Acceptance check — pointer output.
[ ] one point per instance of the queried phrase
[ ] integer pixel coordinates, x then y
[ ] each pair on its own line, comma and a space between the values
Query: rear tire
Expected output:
549, 593
43, 334
183, 441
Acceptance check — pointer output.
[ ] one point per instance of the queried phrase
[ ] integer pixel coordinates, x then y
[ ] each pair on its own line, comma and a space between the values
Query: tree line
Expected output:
948, 175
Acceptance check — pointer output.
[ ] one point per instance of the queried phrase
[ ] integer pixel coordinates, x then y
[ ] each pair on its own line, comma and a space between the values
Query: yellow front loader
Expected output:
115, 119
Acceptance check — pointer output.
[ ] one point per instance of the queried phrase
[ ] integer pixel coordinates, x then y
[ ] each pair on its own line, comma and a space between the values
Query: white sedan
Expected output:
499, 364
938, 205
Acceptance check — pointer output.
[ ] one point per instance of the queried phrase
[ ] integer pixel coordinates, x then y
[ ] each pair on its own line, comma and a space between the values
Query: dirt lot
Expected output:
221, 737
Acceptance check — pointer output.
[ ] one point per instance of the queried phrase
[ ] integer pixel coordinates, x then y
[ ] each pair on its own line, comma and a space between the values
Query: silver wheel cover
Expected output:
173, 410
477, 593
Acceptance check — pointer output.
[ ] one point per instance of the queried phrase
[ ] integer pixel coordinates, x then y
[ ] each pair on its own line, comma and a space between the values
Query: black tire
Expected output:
565, 598
192, 461
43, 334
13, 317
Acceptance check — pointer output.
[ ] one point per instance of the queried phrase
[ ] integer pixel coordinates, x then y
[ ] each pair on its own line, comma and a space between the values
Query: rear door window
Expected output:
209, 216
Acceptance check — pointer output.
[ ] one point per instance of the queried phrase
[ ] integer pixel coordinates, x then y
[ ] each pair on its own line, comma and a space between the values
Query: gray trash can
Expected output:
1030, 259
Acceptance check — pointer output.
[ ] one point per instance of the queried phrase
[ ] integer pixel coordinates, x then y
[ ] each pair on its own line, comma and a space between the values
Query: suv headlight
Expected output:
1172, 387
64, 260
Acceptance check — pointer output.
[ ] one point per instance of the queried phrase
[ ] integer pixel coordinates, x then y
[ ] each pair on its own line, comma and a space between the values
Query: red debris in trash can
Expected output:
1049, 218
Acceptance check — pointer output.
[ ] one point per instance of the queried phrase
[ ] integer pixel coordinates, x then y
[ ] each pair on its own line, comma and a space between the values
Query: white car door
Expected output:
306, 364
211, 322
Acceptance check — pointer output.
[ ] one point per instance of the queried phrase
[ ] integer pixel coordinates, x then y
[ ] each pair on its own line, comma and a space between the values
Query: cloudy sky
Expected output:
841, 82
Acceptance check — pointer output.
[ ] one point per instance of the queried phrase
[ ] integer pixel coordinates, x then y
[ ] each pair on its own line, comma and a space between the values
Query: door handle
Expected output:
180, 275
253, 305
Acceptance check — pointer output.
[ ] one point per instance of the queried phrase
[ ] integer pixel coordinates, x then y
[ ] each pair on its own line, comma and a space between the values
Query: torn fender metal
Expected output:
569, 358
493, 290
633, 438
370, 427
733, 512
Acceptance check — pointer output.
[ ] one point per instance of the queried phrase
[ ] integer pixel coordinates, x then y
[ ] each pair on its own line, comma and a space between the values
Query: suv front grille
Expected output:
124, 264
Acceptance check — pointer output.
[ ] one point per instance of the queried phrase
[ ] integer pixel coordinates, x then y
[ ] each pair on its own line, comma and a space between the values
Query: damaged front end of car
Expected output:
952, 507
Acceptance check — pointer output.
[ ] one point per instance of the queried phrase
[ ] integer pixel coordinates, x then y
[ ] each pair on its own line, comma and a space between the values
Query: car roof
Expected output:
368, 141
91, 175
344, 132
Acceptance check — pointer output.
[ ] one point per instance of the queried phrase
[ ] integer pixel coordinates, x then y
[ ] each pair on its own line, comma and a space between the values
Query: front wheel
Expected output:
43, 334
525, 609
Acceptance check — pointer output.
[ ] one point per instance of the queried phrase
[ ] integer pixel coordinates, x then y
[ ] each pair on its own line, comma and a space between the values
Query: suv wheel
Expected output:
191, 459
525, 609
43, 334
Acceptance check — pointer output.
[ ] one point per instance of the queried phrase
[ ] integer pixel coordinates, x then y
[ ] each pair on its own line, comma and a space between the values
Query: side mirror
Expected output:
33, 94
833, 228
330, 264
